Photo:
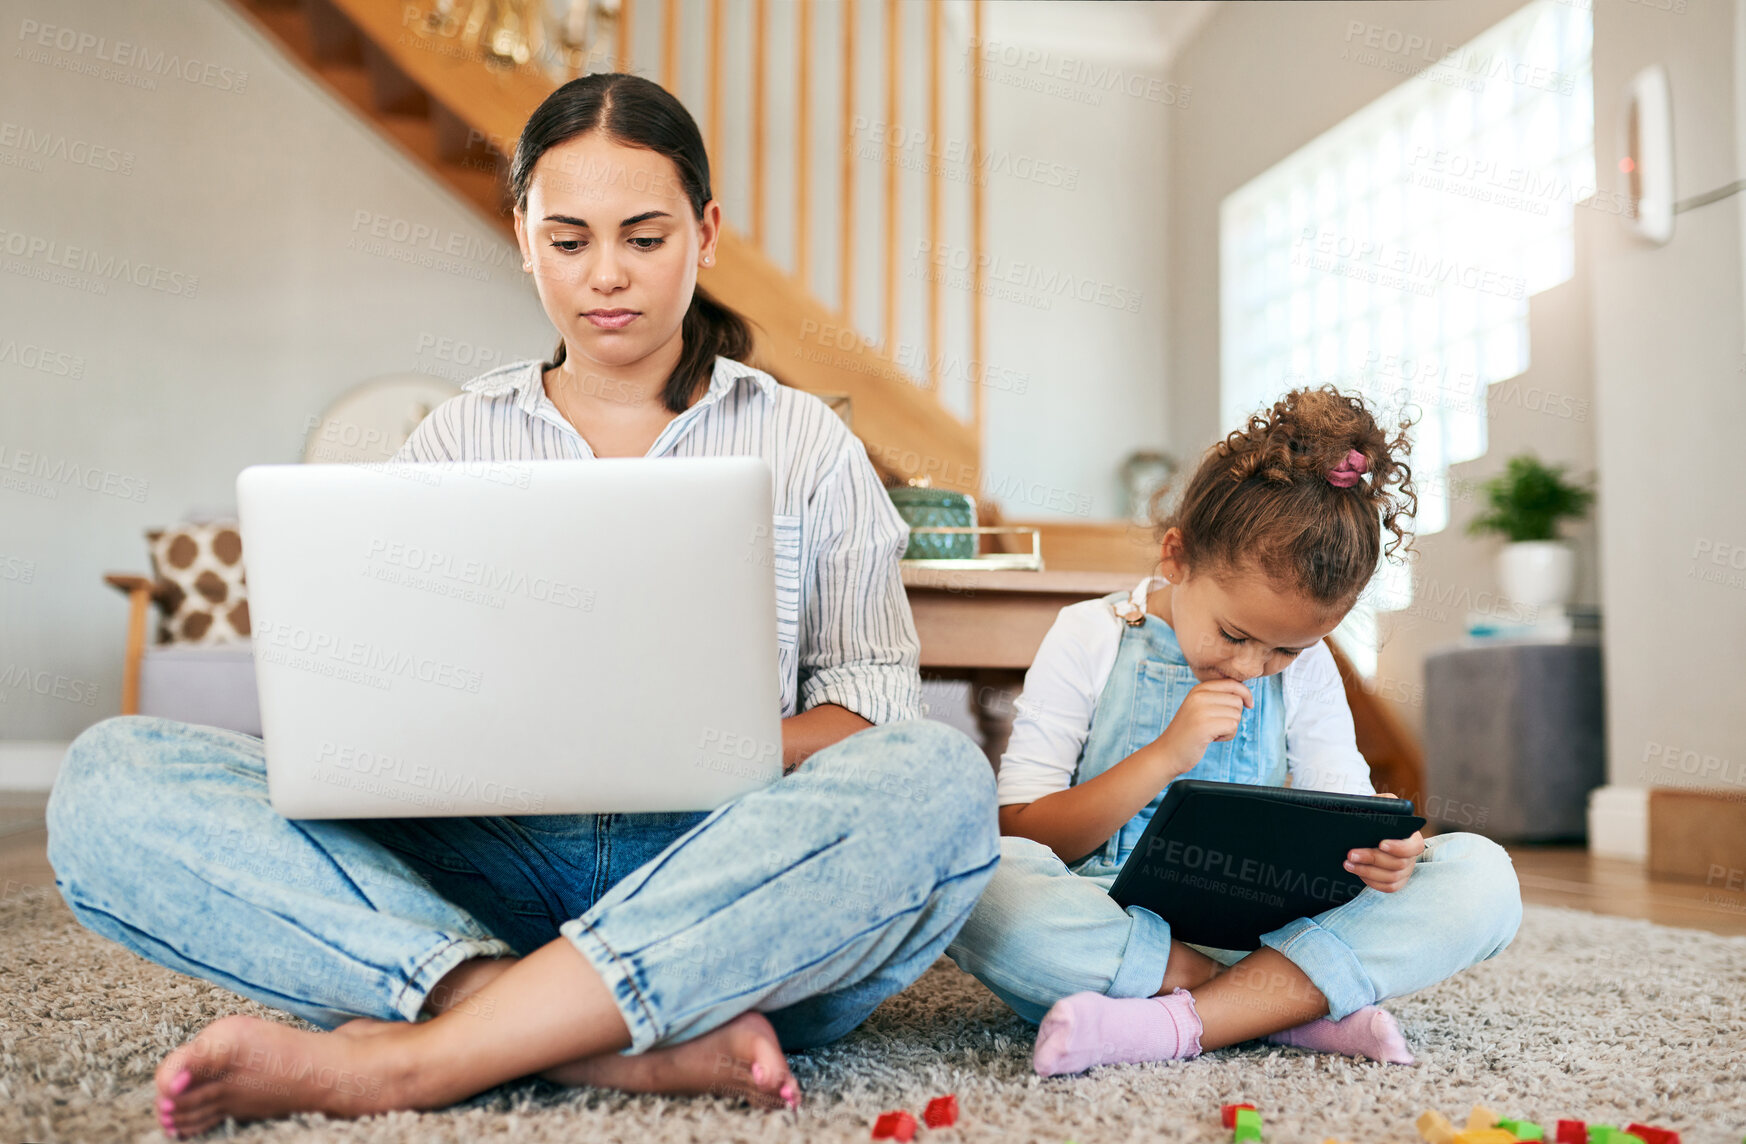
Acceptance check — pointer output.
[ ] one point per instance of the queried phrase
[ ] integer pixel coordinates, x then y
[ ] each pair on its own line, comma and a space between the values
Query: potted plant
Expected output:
1525, 504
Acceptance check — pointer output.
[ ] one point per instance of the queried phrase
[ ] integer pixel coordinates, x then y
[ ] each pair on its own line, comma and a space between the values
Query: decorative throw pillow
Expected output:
203, 591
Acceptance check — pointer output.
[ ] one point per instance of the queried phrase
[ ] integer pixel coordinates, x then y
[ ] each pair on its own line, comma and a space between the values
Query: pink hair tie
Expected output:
1346, 473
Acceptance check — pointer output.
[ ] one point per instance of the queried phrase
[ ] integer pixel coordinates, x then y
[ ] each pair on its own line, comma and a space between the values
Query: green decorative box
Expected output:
923, 506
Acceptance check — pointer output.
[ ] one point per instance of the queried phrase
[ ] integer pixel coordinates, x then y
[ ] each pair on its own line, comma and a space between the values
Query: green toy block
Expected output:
1523, 1129
1247, 1126
1601, 1133
1626, 1138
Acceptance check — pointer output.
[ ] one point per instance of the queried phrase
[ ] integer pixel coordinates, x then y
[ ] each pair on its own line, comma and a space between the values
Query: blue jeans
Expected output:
1042, 931
811, 900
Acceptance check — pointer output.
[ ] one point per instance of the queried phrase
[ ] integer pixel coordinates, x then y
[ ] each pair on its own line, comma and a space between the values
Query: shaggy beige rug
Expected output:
1604, 1019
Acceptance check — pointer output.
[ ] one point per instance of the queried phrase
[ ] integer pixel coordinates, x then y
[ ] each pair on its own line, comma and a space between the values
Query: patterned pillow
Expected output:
203, 590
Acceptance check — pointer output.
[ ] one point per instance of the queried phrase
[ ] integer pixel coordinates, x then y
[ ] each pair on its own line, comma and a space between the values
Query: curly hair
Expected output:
1261, 499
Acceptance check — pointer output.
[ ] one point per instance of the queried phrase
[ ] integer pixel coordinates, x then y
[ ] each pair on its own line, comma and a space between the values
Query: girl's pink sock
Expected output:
1368, 1032
1089, 1029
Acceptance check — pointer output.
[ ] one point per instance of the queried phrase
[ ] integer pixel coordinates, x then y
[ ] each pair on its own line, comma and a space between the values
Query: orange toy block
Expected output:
1486, 1136
1435, 1127
1481, 1117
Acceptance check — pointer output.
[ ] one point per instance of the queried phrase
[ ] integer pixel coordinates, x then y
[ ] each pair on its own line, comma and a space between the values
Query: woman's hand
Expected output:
1388, 866
1209, 714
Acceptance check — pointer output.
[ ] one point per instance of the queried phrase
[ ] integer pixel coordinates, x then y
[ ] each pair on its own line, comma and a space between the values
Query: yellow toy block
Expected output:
1481, 1117
1486, 1136
1435, 1127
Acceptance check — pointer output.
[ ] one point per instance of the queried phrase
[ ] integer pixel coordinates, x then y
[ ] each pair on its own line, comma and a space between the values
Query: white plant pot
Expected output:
1537, 573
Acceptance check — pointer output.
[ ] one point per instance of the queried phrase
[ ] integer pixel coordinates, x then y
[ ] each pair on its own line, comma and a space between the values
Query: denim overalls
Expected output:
1042, 931
1148, 683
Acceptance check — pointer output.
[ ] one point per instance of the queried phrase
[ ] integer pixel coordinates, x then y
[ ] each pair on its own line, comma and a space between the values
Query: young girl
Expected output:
1218, 671
648, 952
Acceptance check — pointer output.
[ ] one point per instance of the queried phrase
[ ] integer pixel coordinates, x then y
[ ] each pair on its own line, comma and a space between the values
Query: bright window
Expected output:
1394, 255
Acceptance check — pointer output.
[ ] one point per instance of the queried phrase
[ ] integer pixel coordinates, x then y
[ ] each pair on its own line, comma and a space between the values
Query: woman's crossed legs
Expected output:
778, 921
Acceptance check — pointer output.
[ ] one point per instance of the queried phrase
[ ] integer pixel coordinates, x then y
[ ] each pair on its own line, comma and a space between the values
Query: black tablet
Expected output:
1224, 863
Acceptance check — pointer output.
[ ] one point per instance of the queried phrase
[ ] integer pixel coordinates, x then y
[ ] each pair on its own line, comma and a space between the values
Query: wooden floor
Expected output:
1549, 875
1570, 876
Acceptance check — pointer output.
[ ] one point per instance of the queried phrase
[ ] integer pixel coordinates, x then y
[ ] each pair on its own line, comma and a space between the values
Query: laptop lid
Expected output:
527, 637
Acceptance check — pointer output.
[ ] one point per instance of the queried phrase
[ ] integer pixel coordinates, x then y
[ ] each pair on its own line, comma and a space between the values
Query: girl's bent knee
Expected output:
1488, 893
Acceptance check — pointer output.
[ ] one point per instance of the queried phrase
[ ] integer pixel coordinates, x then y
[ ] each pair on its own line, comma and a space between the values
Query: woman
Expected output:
654, 952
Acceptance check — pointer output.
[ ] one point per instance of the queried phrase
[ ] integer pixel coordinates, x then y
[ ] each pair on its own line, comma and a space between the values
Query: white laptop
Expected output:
501, 638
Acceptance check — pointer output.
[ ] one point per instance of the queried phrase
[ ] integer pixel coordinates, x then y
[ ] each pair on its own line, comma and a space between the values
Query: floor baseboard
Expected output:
1618, 822
30, 764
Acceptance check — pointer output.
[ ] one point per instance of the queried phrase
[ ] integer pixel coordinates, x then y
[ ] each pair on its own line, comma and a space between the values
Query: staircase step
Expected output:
394, 91
333, 38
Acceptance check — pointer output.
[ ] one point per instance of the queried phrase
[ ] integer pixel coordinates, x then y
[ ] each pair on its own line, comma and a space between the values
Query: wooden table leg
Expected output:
993, 692
139, 611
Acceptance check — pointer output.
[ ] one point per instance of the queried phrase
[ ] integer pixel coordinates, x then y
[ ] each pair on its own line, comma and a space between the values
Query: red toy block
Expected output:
1572, 1132
1652, 1134
942, 1112
1228, 1113
894, 1126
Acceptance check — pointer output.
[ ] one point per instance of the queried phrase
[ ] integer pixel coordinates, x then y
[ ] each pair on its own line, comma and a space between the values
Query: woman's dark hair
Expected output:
1262, 498
635, 112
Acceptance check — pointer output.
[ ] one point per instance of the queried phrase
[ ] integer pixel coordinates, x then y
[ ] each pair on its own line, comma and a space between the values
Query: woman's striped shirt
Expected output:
844, 630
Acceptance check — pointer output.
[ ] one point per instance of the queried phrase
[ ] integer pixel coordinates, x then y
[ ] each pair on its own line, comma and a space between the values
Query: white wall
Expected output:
1096, 369
251, 186
1653, 335
1670, 386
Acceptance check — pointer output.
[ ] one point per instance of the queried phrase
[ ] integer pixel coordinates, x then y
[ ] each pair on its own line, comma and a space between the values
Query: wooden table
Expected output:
985, 627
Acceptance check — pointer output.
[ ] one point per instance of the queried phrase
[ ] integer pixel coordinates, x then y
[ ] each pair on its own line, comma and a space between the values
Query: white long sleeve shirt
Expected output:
1073, 664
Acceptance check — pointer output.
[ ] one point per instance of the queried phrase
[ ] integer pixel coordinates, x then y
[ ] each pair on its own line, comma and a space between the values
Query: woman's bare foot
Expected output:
250, 1069
741, 1058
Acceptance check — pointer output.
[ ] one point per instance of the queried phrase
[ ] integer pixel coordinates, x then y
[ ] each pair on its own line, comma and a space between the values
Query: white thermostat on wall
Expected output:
1646, 154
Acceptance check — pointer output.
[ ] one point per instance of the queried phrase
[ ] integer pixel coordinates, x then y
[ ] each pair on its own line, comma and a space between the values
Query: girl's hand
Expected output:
1388, 866
1210, 713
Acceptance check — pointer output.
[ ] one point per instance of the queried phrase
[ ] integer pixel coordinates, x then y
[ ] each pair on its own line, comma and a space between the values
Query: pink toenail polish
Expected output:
181, 1081
757, 1073
166, 1105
